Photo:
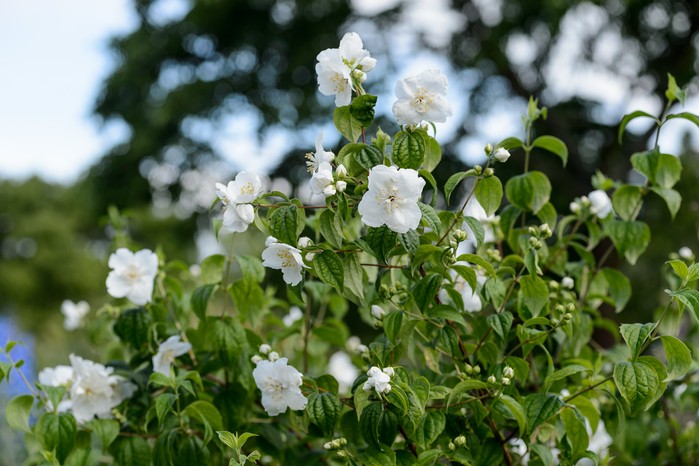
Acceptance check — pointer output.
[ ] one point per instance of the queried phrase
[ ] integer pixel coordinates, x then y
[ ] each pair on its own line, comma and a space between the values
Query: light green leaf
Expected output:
17, 412
200, 300
693, 272
354, 275
347, 125
57, 432
619, 288
464, 387
534, 293
663, 170
163, 403
566, 371
672, 199
107, 430
501, 323
477, 260
679, 358
510, 143
409, 149
392, 325
635, 336
679, 267
631, 116
489, 194
685, 116
212, 269
576, 433
517, 412
433, 154
432, 425
689, 298
674, 92
529, 192
454, 181
554, 145
430, 217
637, 382
630, 238
477, 229
328, 267
626, 201
368, 156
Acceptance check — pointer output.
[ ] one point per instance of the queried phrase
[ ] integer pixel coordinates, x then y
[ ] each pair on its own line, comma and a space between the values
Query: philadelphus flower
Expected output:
686, 253
392, 199
379, 380
501, 154
279, 384
92, 389
284, 257
74, 313
422, 98
600, 204
337, 67
236, 197
314, 160
322, 181
340, 366
167, 352
132, 275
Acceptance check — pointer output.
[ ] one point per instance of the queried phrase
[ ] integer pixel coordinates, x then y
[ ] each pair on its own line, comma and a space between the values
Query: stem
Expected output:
385, 266
587, 389
21, 375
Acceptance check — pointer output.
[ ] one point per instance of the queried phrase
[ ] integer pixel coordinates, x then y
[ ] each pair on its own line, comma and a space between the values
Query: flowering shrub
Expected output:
477, 315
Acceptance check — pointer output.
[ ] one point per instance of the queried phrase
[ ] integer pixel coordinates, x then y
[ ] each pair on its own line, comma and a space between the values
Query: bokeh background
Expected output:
144, 104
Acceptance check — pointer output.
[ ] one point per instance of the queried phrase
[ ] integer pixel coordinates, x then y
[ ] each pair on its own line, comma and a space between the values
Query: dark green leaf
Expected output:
430, 217
517, 412
107, 430
369, 423
534, 293
635, 336
324, 410
328, 267
381, 240
672, 199
433, 154
200, 300
619, 288
362, 109
409, 149
392, 325
56, 432
17, 412
132, 326
410, 241
368, 156
282, 224
426, 289
630, 238
679, 358
576, 433
131, 451
637, 382
539, 407
347, 125
501, 323
331, 228
453, 182
530, 191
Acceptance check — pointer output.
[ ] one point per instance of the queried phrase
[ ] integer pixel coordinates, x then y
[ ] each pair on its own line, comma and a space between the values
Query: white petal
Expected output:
433, 80
120, 259
117, 285
147, 261
292, 275
141, 291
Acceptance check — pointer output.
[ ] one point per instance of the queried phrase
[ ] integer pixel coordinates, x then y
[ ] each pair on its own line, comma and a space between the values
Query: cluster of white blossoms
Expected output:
598, 203
132, 275
340, 70
323, 180
280, 385
92, 390
284, 257
237, 198
74, 313
392, 199
379, 379
422, 97
167, 352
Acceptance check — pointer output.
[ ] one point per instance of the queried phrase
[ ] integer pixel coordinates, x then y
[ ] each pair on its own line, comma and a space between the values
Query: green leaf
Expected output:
529, 192
679, 358
207, 414
576, 433
663, 170
454, 181
534, 293
630, 238
476, 228
346, 124
674, 92
632, 116
410, 241
566, 371
409, 149
381, 240
477, 260
547, 214
251, 267
516, 410
132, 326
200, 300
464, 387
432, 425
679, 267
354, 275
56, 432
324, 410
331, 228
369, 423
426, 289
433, 154
510, 143
247, 295
362, 109
430, 217
554, 145
368, 156
693, 272
163, 403
544, 454
212, 269
489, 194
282, 224
501, 323
107, 430
672, 199
131, 451
229, 338
328, 267
619, 288
539, 407
637, 382
635, 336
445, 312
17, 412
392, 325
626, 201
689, 298
685, 116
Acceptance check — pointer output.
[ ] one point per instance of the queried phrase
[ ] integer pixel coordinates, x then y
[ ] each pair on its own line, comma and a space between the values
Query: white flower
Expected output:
264, 348
600, 204
74, 313
686, 253
575, 207
279, 384
475, 210
422, 98
567, 282
322, 180
132, 275
59, 376
392, 199
340, 366
471, 298
336, 67
378, 312
293, 315
378, 380
95, 390
501, 154
284, 257
236, 197
167, 352
321, 155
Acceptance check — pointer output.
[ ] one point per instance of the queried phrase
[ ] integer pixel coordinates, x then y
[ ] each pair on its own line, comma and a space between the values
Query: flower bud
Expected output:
336, 443
309, 256
477, 369
686, 253
327, 446
255, 359
305, 242
389, 371
501, 154
533, 231
478, 169
575, 207
468, 369
534, 243
352, 343
264, 348
343, 441
340, 186
329, 190
545, 230
488, 149
362, 349
555, 322
488, 172
508, 372
570, 307
492, 379
359, 75
378, 312
494, 254
568, 282
341, 453
553, 284
560, 308
460, 235
341, 171
452, 447
567, 317
585, 201
460, 441
505, 381
273, 356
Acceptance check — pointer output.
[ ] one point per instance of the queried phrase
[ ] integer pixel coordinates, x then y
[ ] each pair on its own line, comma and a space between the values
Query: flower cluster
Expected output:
236, 198
323, 181
132, 275
379, 379
92, 390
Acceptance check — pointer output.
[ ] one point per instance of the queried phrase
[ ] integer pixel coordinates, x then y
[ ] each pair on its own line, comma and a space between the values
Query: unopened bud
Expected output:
534, 243
570, 307
309, 256
488, 172
468, 369
264, 348
273, 356
508, 372
553, 284
305, 242
545, 230
477, 369
478, 169
585, 201
341, 171
492, 379
460, 235
533, 231
560, 308
488, 149
343, 441
336, 443
555, 322
452, 447
505, 381
329, 190
340, 186
686, 253
362, 349
575, 207
359, 75
341, 453
378, 312
255, 359
494, 254
567, 282
567, 316
501, 154
460, 441
327, 446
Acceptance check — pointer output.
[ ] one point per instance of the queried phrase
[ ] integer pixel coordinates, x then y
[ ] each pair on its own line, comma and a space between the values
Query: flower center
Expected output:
247, 188
339, 81
133, 273
273, 388
422, 100
286, 257
390, 199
